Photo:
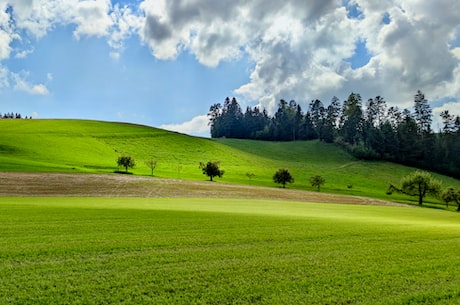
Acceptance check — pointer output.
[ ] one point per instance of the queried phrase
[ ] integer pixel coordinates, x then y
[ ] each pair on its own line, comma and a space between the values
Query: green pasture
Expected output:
223, 251
93, 147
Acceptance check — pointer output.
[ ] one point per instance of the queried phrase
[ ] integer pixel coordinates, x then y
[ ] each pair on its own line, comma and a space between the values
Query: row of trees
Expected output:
11, 115
212, 169
370, 130
418, 184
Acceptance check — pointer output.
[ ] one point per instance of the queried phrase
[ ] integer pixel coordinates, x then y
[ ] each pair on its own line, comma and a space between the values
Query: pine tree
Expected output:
422, 113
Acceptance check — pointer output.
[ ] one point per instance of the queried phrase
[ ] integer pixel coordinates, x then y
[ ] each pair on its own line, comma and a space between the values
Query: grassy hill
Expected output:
94, 146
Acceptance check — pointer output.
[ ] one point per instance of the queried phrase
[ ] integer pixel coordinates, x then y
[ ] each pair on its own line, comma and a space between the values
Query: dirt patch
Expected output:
112, 185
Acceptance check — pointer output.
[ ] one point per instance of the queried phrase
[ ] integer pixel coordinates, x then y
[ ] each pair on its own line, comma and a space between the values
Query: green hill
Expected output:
94, 146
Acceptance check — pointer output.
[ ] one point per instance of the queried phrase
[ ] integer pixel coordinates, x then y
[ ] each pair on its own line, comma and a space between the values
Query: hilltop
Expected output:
80, 146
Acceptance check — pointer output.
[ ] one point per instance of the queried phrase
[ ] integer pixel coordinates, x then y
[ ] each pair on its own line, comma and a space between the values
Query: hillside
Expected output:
92, 147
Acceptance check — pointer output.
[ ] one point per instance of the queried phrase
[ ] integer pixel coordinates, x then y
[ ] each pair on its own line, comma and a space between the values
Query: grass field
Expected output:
93, 147
224, 251
178, 241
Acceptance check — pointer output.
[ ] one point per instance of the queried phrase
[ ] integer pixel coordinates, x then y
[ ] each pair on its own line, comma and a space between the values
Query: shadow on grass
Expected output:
122, 172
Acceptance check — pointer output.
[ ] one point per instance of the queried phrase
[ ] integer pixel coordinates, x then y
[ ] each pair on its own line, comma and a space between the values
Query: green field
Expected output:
93, 147
88, 250
211, 251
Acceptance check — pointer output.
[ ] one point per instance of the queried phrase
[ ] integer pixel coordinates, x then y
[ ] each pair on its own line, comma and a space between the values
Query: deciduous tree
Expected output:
211, 169
283, 176
126, 162
152, 164
451, 195
317, 181
418, 184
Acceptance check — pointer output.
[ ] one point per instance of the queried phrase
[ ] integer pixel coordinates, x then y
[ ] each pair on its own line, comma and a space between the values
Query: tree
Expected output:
331, 120
352, 119
282, 176
418, 184
449, 122
284, 121
375, 111
215, 117
317, 116
151, 164
317, 181
126, 162
250, 175
451, 195
211, 169
231, 118
422, 113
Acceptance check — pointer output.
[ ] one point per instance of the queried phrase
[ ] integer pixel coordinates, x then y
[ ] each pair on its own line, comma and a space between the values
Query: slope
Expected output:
92, 147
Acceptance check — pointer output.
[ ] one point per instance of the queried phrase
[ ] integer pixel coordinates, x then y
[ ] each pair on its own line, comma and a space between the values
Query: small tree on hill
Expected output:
451, 195
317, 181
152, 164
126, 162
283, 176
211, 169
250, 175
418, 184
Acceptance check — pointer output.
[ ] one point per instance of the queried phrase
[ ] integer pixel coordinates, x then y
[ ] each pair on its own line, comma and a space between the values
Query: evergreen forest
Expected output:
370, 130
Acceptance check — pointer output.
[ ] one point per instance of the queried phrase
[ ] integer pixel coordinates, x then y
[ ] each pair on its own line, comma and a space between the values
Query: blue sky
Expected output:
163, 63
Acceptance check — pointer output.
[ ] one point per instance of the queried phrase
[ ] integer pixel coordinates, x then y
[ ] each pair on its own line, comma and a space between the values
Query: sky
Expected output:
164, 63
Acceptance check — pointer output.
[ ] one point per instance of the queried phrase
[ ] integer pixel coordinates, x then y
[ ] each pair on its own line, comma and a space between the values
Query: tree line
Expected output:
11, 115
370, 130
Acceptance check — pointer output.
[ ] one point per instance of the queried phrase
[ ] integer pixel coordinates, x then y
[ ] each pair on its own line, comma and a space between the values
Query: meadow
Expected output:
71, 250
73, 232
79, 146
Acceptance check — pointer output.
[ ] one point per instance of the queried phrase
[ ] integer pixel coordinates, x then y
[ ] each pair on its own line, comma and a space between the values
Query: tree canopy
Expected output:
317, 181
283, 176
418, 184
451, 195
211, 169
126, 162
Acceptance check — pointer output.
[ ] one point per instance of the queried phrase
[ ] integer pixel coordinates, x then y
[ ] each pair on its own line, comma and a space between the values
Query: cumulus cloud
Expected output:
23, 53
197, 126
300, 50
24, 19
297, 50
92, 18
21, 84
452, 107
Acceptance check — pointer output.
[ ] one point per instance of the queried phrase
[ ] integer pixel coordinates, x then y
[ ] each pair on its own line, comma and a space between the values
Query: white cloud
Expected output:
92, 18
23, 53
452, 107
5, 41
125, 23
35, 18
22, 85
4, 77
196, 126
299, 50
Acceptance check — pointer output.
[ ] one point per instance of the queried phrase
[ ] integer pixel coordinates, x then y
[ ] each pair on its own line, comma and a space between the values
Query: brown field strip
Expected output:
116, 185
